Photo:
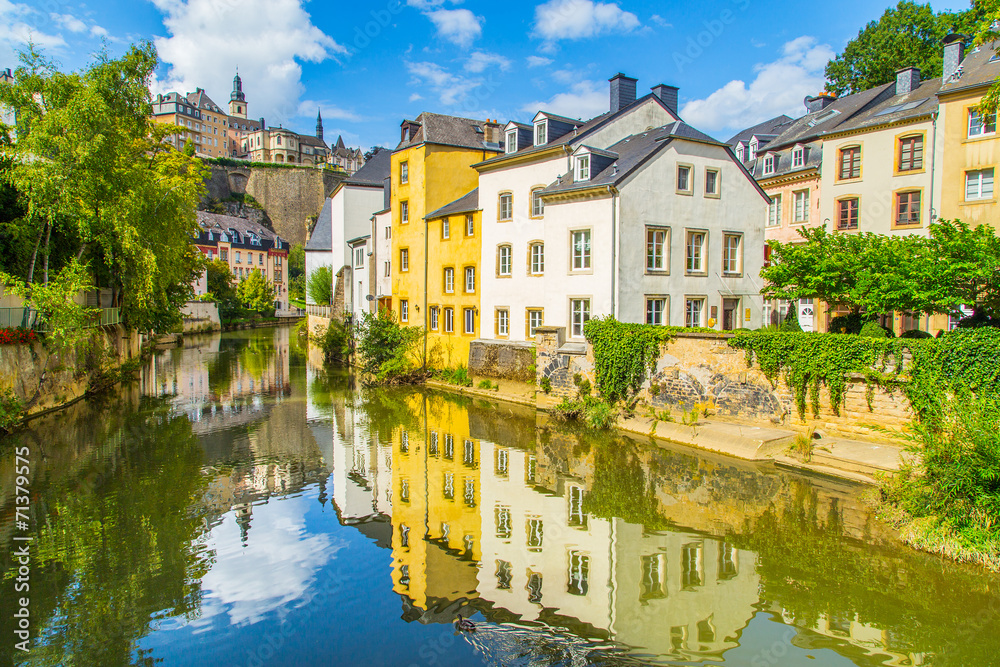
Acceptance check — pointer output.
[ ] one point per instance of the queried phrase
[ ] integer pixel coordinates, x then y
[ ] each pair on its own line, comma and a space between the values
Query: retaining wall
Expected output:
502, 359
201, 316
701, 370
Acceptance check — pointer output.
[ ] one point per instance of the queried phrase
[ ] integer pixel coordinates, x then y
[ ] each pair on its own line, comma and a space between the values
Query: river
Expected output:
241, 504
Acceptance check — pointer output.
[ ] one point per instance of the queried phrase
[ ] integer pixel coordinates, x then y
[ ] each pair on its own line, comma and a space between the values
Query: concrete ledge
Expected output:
751, 443
481, 393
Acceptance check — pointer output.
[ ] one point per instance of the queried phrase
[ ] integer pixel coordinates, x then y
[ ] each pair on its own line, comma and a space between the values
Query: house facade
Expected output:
247, 248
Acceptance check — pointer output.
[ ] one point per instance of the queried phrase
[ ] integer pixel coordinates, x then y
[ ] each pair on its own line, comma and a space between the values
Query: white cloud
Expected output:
660, 21
98, 31
425, 4
330, 111
538, 61
585, 100
415, 97
20, 24
459, 26
69, 22
577, 19
480, 60
451, 89
266, 39
777, 88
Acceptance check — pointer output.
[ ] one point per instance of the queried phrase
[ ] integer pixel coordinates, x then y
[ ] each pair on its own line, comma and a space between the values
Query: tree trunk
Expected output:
48, 237
34, 255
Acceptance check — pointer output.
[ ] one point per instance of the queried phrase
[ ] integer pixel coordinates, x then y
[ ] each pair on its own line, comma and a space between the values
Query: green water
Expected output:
241, 505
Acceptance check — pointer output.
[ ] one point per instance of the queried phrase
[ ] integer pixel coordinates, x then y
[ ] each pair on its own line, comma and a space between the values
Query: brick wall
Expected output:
701, 369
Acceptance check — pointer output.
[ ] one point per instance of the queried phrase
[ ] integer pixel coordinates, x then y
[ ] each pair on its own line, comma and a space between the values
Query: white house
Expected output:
347, 215
382, 257
357, 300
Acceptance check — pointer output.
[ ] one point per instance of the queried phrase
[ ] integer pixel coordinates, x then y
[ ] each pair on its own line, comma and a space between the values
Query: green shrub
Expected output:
385, 348
915, 333
546, 384
873, 329
11, 411
485, 384
791, 322
335, 342
595, 413
850, 324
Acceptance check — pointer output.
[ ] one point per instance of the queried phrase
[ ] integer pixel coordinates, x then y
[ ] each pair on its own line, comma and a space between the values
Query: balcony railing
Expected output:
28, 318
318, 310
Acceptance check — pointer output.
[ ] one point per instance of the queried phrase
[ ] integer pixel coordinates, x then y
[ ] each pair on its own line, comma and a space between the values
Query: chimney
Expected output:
819, 102
668, 95
907, 80
622, 91
954, 53
491, 132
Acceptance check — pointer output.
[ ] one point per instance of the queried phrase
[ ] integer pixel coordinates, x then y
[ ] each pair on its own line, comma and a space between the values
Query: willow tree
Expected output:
99, 185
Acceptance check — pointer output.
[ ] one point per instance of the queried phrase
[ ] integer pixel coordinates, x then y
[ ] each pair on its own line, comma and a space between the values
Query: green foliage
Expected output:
189, 148
487, 384
256, 294
873, 329
582, 384
624, 354
55, 302
459, 376
791, 322
222, 286
335, 342
546, 384
915, 333
906, 35
11, 411
594, 412
850, 323
320, 286
385, 348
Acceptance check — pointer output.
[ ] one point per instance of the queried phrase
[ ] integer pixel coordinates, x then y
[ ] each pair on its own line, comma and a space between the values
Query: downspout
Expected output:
614, 252
930, 212
426, 262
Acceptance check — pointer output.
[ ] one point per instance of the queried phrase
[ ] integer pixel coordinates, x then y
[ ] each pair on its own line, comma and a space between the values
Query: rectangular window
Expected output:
511, 145
470, 279
980, 125
579, 573
850, 163
449, 280
534, 320
504, 253
583, 168
404, 212
695, 252
506, 207
404, 172
470, 320
502, 322
798, 157
774, 211
978, 185
404, 310
537, 207
657, 245
908, 208
359, 258
848, 213
237, 256
911, 153
470, 225
445, 229
581, 250
732, 254
712, 182
541, 134
769, 162
404, 259
656, 308
449, 322
537, 259
434, 318
800, 200
580, 311
683, 179
693, 311
388, 268
224, 254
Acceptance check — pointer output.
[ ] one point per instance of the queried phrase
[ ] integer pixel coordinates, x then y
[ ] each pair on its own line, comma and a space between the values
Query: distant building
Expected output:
206, 124
348, 159
7, 115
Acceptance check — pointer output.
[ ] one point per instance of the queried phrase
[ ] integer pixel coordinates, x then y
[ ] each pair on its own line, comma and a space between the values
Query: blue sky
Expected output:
368, 65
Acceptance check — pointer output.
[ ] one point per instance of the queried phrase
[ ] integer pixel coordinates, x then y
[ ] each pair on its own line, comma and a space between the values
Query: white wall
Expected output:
358, 276
381, 225
316, 259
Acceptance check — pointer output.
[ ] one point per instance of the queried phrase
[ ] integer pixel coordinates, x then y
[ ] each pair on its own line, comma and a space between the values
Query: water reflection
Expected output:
243, 505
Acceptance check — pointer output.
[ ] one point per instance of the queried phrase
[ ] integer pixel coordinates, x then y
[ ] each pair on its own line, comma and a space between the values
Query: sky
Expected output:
368, 65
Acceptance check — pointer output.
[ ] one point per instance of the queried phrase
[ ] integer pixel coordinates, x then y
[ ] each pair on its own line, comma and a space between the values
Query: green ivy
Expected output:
624, 353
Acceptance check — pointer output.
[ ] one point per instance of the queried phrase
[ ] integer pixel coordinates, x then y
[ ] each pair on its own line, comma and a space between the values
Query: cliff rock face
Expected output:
289, 196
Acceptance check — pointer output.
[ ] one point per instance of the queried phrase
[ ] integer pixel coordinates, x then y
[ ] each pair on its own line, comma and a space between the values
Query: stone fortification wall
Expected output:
699, 369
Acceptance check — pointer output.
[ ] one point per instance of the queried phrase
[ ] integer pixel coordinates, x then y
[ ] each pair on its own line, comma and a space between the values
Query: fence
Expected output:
317, 310
28, 318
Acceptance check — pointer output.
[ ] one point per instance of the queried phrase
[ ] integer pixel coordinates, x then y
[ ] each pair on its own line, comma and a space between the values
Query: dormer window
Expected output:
541, 133
739, 153
769, 162
798, 156
753, 146
583, 168
511, 141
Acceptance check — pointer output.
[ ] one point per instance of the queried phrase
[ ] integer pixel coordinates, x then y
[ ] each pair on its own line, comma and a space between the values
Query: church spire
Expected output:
319, 125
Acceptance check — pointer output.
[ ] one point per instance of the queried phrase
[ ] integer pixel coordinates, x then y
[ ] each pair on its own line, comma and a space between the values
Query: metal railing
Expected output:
28, 318
318, 310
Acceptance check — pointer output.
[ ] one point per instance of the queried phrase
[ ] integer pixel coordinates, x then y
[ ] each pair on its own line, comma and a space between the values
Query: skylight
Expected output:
823, 117
900, 107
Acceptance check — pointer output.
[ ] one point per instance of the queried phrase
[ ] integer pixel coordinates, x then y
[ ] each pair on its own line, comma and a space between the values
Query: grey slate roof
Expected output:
242, 225
773, 126
919, 102
783, 166
374, 172
975, 70
467, 203
632, 153
448, 131
322, 234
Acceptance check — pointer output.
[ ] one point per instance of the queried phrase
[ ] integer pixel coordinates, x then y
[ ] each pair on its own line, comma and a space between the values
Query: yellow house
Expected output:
435, 507
971, 146
431, 168
453, 281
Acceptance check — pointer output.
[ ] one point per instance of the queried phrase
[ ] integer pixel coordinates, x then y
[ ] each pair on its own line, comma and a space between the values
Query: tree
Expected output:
100, 185
296, 272
369, 154
986, 17
963, 269
320, 285
189, 148
256, 293
221, 286
386, 349
907, 35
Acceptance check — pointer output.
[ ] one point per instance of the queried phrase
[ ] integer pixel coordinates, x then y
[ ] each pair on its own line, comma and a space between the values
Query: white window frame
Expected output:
470, 225
664, 250
445, 228
511, 142
664, 310
404, 172
449, 320
449, 280
732, 266
503, 321
579, 313
715, 191
404, 212
469, 316
470, 280
581, 261
800, 206
537, 205
530, 315
689, 246
688, 311
359, 257
541, 133
404, 310
505, 207
769, 162
979, 123
536, 253
798, 157
505, 260
688, 172
774, 212
434, 317
979, 180
582, 168
404, 259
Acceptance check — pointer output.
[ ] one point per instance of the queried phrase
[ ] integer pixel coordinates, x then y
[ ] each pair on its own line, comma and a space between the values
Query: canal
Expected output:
242, 505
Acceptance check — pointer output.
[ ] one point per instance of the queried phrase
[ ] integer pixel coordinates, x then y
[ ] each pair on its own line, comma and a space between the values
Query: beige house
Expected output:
202, 120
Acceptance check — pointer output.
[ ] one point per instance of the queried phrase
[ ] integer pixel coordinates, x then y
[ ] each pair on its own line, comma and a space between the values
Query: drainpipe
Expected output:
934, 117
426, 261
614, 252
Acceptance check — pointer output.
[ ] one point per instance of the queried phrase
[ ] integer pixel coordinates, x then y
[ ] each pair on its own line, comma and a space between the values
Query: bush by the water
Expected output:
385, 348
594, 412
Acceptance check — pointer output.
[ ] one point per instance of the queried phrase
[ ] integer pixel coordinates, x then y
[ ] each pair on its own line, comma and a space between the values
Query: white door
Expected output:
807, 313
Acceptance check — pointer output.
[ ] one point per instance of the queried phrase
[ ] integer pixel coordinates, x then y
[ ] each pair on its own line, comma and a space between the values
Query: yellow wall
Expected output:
423, 468
451, 349
438, 175
961, 154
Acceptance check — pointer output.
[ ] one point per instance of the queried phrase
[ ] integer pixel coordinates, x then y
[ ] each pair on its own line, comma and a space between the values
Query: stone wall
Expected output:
290, 196
505, 360
43, 381
201, 316
701, 370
